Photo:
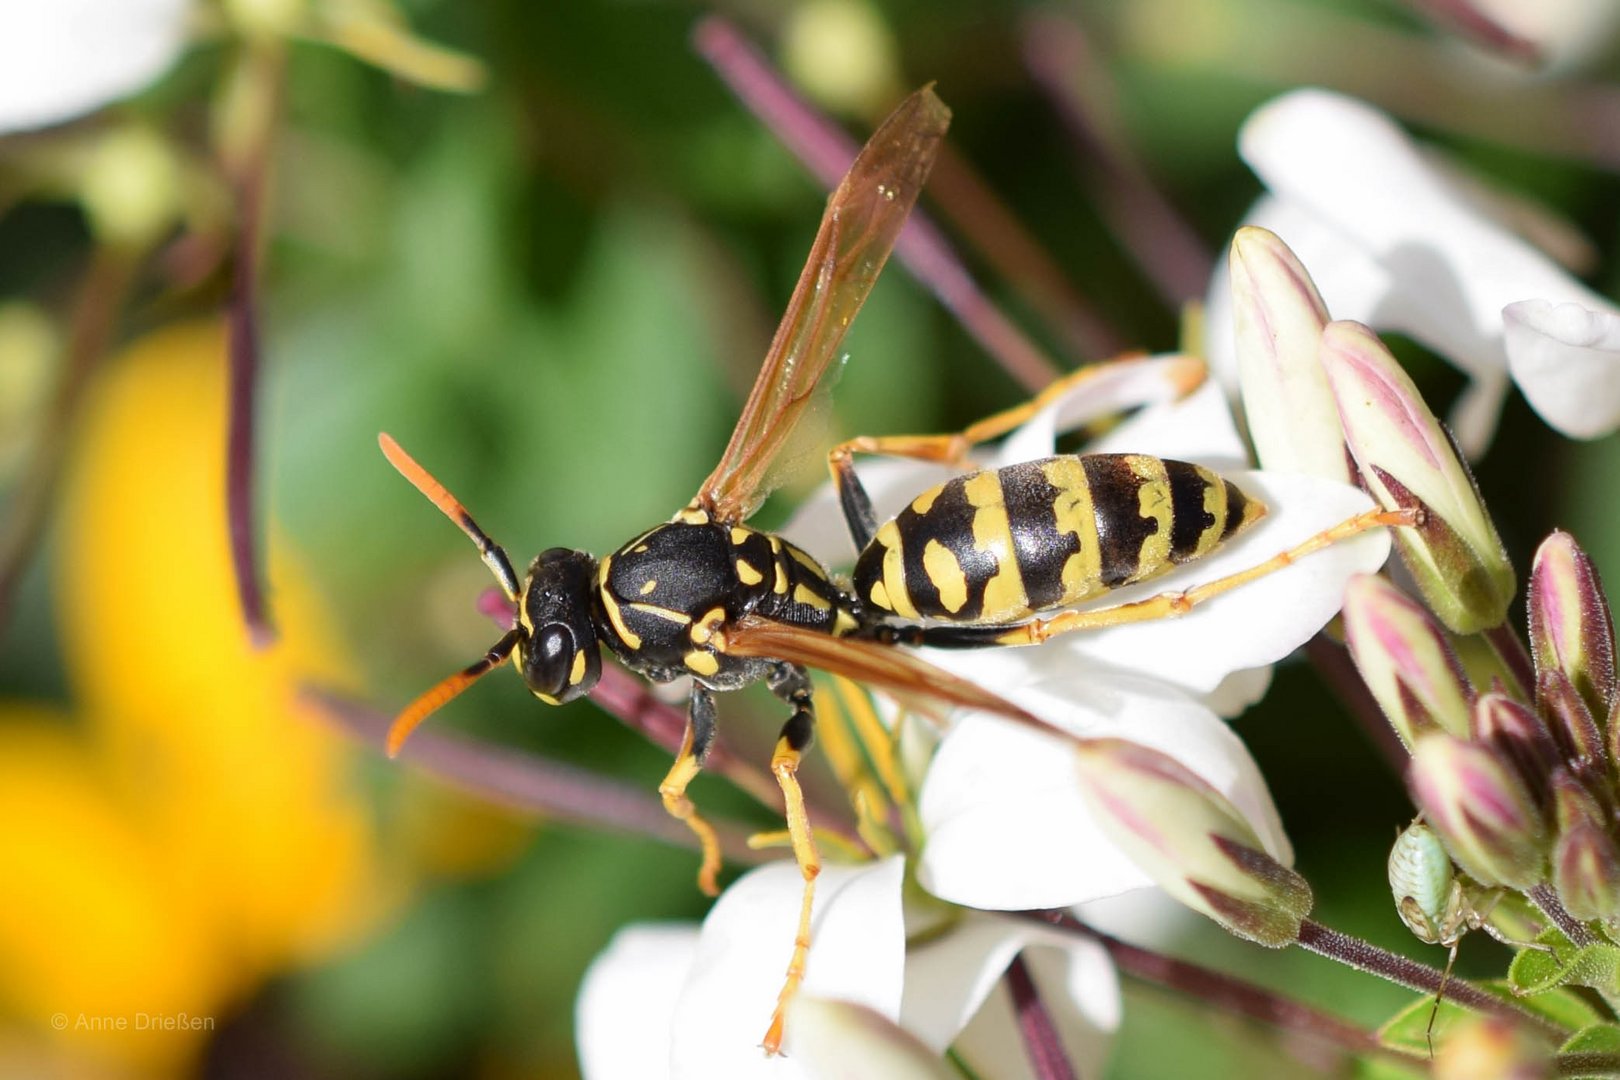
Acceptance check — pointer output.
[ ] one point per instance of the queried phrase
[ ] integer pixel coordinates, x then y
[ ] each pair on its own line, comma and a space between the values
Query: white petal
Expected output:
1196, 428
61, 58
1566, 359
1238, 691
857, 954
633, 983
1007, 824
949, 977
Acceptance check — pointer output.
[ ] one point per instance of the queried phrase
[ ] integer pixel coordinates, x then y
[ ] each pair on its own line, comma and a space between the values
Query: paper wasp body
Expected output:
970, 563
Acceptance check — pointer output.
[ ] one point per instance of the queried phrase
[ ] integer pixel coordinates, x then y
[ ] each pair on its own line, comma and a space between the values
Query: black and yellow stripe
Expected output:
996, 546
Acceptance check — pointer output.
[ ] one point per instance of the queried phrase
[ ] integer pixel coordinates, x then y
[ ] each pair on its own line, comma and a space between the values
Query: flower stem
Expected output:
1593, 1064
827, 153
532, 783
1545, 898
1224, 991
1365, 956
1047, 1058
101, 300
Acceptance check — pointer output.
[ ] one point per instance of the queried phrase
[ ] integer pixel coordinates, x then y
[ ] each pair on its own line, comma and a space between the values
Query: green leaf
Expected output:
1597, 966
1596, 1039
1408, 1030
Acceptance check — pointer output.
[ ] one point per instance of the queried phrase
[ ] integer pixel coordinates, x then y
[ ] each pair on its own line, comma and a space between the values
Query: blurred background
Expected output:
555, 290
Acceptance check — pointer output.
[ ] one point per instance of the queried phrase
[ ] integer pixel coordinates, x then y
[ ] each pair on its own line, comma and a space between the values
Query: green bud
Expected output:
131, 188
842, 53
1570, 625
841, 1038
1573, 728
1278, 317
1428, 896
1408, 461
1585, 862
1406, 660
1481, 809
1192, 841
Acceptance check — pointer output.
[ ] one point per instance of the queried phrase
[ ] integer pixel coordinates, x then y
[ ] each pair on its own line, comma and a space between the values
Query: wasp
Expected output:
973, 562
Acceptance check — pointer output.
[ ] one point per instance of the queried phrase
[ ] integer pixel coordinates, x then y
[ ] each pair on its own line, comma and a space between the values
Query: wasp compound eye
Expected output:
559, 668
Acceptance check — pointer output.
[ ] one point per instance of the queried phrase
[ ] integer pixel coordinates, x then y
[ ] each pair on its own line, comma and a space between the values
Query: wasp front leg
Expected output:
688, 763
1181, 375
791, 683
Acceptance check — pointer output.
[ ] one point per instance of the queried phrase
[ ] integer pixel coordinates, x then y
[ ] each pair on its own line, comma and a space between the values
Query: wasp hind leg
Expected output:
791, 683
688, 763
952, 449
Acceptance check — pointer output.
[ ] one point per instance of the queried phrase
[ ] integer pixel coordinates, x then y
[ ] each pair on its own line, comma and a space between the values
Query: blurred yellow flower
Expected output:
189, 829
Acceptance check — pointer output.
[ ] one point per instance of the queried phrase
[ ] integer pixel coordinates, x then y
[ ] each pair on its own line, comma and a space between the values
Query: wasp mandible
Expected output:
978, 557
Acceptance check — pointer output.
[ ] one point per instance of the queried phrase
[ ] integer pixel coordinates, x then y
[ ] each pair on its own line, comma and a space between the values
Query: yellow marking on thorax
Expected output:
702, 663
703, 631
692, 515
803, 595
806, 561
747, 573
896, 597
1215, 507
577, 672
1073, 512
1153, 501
943, 569
1004, 594
740, 535
844, 623
679, 618
648, 586
631, 639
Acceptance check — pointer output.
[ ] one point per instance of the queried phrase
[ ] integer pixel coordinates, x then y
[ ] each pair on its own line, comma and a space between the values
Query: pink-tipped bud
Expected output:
1192, 841
1406, 660
1570, 625
1585, 861
1573, 728
1408, 461
1517, 735
1278, 317
1482, 811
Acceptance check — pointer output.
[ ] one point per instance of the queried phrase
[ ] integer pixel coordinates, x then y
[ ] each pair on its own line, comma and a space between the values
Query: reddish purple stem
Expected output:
827, 153
1047, 1058
240, 464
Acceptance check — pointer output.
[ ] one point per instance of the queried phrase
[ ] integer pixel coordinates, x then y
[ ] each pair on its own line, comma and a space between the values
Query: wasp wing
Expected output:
863, 220
887, 667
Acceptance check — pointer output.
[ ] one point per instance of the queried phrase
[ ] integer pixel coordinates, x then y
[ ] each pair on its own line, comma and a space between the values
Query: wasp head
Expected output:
557, 652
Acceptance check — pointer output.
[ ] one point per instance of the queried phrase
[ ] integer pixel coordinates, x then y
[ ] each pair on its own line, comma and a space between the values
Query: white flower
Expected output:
62, 58
676, 1001
1394, 242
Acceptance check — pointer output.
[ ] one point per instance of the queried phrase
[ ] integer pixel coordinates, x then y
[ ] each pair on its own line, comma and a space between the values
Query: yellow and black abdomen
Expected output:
992, 547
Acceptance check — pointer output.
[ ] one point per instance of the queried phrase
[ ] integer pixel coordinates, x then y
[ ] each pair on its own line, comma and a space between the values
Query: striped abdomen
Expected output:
992, 547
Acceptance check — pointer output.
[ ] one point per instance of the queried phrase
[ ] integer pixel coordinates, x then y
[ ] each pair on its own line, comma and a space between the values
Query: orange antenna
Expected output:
419, 710
493, 554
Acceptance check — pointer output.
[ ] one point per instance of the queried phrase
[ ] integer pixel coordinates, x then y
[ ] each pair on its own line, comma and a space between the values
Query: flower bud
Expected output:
1580, 743
1585, 860
1480, 809
1493, 1048
1428, 896
1517, 735
841, 1038
1278, 318
1407, 460
1570, 625
132, 188
1192, 841
1405, 660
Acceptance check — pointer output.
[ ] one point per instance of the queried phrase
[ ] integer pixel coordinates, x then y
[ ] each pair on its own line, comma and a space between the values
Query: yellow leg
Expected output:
1166, 605
952, 449
673, 790
785, 766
